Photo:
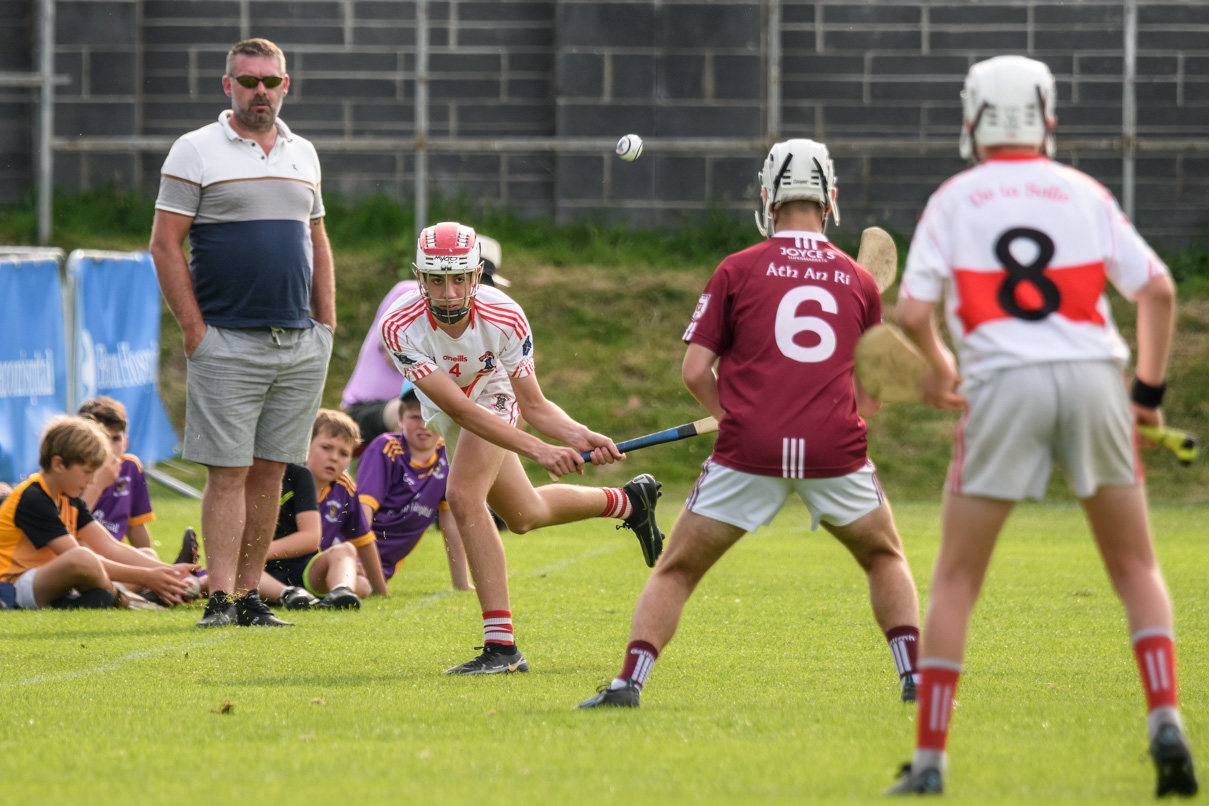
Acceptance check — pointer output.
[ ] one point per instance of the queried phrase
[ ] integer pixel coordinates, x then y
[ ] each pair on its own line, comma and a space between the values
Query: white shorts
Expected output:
25, 590
1023, 418
749, 501
495, 396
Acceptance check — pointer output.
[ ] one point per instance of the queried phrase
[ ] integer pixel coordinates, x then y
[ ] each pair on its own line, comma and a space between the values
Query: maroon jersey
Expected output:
784, 316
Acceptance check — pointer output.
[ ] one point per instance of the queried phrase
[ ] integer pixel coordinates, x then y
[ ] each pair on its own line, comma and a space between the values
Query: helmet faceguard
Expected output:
1008, 101
448, 250
796, 170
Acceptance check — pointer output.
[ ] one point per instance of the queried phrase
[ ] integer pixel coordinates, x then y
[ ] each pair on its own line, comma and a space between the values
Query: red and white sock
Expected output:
497, 627
617, 504
639, 660
904, 646
1155, 650
937, 690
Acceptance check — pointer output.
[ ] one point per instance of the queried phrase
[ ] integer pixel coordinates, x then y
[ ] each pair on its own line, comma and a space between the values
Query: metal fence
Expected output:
44, 81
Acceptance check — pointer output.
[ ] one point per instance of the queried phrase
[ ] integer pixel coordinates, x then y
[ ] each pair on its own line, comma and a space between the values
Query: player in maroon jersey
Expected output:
781, 321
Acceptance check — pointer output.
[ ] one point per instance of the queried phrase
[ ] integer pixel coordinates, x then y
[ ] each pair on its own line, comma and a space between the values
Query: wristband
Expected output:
1147, 396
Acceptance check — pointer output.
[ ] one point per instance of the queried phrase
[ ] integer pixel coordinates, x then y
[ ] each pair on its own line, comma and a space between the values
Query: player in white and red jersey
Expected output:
781, 321
469, 352
1020, 249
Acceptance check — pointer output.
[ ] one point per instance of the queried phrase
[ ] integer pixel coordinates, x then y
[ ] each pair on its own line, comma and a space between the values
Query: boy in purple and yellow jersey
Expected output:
321, 531
118, 494
401, 485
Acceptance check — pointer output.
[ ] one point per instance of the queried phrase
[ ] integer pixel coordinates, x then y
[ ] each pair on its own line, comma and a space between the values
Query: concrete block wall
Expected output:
852, 72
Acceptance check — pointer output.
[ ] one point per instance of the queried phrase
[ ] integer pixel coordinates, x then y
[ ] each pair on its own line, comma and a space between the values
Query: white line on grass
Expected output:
422, 602
115, 663
572, 560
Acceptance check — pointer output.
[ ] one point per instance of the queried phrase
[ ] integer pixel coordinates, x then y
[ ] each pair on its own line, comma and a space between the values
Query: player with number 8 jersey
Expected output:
1020, 249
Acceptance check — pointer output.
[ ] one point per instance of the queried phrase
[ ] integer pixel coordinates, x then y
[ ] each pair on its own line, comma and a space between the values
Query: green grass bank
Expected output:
608, 306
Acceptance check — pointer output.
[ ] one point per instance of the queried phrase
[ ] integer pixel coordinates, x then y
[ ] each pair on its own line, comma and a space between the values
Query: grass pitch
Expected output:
778, 687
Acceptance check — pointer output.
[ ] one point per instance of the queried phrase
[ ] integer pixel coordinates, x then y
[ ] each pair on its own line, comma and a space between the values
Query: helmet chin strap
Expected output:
447, 316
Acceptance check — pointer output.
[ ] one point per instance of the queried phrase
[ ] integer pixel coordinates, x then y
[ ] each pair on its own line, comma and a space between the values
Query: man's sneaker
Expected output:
909, 688
340, 598
643, 492
1173, 762
295, 598
250, 611
924, 782
626, 697
188, 552
494, 660
220, 611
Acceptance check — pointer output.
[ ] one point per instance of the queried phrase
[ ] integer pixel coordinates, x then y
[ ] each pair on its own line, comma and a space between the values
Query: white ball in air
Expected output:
629, 148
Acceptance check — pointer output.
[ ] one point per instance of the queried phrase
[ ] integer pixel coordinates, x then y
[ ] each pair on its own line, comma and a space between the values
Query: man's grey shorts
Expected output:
1022, 419
253, 392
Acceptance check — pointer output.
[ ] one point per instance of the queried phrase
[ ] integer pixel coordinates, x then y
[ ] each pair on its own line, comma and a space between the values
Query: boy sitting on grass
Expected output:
117, 494
321, 530
41, 561
401, 484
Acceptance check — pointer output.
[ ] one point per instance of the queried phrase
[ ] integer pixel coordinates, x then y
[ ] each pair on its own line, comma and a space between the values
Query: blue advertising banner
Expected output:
116, 299
33, 357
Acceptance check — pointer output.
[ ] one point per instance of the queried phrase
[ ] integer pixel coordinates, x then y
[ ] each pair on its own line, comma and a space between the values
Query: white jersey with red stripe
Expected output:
496, 346
1020, 249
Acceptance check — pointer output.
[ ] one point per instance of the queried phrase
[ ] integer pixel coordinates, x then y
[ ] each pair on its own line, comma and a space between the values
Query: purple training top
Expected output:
126, 502
341, 517
406, 498
375, 376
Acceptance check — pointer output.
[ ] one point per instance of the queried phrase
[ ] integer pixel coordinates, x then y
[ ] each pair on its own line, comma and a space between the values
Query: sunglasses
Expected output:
250, 82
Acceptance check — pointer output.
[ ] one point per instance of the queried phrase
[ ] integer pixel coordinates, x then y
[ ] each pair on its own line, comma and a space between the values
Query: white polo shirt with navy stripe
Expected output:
252, 256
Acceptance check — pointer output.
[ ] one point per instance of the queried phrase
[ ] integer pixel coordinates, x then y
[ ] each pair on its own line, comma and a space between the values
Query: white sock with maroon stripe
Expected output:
497, 627
904, 647
639, 660
617, 504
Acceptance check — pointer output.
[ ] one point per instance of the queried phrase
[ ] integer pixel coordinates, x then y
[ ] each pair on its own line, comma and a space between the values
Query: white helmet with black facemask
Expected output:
796, 170
1008, 101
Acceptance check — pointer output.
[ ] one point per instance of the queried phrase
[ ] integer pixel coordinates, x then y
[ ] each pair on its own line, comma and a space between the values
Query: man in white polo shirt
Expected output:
256, 304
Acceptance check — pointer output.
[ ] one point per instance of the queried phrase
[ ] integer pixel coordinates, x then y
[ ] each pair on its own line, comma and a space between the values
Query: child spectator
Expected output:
320, 528
41, 561
118, 495
401, 484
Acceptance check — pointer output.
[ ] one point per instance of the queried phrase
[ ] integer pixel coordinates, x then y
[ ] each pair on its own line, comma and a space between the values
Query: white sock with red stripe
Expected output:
1155, 650
497, 627
937, 690
617, 504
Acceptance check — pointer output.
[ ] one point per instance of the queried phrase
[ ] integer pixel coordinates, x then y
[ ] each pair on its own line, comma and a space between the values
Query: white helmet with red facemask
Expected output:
449, 249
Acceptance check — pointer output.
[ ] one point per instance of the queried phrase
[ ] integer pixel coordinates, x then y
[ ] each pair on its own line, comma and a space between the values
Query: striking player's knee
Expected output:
519, 524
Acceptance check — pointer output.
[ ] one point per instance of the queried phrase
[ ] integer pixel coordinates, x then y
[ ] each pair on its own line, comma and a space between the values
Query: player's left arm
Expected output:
866, 404
699, 376
1156, 325
323, 280
548, 418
